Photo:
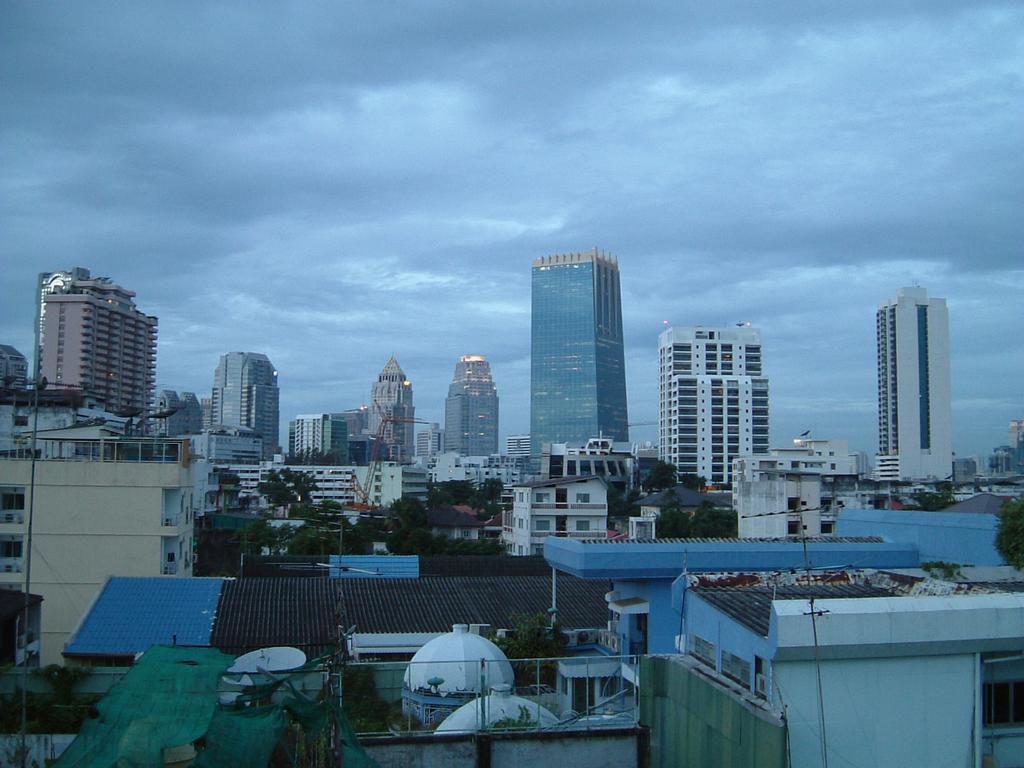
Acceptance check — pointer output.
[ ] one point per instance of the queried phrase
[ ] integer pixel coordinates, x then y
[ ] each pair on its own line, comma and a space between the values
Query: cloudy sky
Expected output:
334, 183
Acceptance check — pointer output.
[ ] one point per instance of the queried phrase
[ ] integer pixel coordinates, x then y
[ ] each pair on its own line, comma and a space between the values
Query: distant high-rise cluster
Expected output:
245, 394
914, 422
430, 441
713, 399
323, 436
91, 336
177, 414
577, 371
13, 367
471, 409
392, 406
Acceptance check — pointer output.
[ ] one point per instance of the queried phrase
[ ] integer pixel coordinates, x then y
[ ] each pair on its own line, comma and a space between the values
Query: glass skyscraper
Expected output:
245, 394
578, 371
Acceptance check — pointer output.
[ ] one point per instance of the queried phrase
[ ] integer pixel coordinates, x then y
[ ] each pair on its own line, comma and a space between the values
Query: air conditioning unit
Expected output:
583, 637
614, 642
761, 685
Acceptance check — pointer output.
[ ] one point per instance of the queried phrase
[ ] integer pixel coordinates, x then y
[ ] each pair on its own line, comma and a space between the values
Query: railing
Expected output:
170, 569
566, 505
153, 450
10, 565
557, 694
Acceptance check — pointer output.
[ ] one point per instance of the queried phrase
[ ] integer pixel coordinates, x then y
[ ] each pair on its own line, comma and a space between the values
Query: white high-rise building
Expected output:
713, 399
430, 441
914, 422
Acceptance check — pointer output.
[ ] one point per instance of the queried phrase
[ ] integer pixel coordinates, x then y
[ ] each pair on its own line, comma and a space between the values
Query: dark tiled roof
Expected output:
684, 497
790, 540
483, 565
435, 603
450, 517
982, 503
259, 612
12, 603
752, 606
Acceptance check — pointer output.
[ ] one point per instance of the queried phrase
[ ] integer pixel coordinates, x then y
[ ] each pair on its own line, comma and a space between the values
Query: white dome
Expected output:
499, 705
454, 659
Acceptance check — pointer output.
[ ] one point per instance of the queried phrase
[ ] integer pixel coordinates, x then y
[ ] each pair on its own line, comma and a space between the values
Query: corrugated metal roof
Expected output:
435, 603
132, 614
260, 612
752, 606
375, 566
787, 541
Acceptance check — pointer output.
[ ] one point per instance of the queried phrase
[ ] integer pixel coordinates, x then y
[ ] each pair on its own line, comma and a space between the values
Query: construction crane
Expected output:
362, 502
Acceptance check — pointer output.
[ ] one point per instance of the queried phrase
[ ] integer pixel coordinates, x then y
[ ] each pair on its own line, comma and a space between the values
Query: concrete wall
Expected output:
913, 712
954, 537
695, 723
621, 748
94, 519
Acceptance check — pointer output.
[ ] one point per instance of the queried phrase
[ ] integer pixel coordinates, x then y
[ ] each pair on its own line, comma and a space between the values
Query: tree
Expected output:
534, 638
1010, 534
622, 505
661, 477
712, 523
934, 502
286, 487
693, 482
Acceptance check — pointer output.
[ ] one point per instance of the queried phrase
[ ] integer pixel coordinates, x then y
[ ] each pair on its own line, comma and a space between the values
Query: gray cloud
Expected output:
332, 184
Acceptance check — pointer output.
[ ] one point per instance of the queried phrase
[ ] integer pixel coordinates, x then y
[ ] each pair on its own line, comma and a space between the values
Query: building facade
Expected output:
181, 414
108, 506
13, 367
245, 394
392, 413
713, 399
914, 418
575, 508
577, 360
93, 337
517, 445
325, 434
471, 409
430, 441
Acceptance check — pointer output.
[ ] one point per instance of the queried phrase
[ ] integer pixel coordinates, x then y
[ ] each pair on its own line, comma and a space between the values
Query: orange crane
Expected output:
362, 502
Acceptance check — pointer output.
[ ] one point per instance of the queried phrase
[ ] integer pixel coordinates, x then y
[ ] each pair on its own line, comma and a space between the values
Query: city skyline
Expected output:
330, 203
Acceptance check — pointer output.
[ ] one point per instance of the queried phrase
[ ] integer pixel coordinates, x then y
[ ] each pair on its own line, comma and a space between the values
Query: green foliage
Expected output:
60, 711
934, 502
286, 487
941, 569
447, 494
1010, 535
622, 505
534, 638
693, 482
707, 522
313, 457
661, 477
515, 723
410, 534
367, 712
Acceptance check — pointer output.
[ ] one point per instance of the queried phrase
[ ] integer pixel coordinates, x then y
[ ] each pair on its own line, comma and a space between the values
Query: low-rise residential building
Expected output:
457, 523
570, 507
107, 506
449, 466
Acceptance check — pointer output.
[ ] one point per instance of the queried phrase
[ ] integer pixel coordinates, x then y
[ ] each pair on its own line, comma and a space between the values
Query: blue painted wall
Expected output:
954, 537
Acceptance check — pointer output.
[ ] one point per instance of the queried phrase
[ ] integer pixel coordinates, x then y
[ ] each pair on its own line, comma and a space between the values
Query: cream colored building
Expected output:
103, 507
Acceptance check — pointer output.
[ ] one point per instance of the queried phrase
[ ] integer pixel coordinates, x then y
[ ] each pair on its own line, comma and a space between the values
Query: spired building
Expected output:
245, 394
471, 409
713, 399
92, 336
391, 398
577, 371
914, 419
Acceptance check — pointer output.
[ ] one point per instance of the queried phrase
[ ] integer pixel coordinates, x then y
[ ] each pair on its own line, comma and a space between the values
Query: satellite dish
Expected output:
275, 659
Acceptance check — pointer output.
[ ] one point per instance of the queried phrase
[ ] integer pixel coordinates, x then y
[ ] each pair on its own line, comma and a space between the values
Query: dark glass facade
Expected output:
578, 372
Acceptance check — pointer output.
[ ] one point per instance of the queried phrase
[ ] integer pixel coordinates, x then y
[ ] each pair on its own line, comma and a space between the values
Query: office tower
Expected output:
914, 432
358, 420
177, 415
93, 337
517, 445
320, 436
245, 394
471, 409
391, 404
430, 441
577, 371
206, 411
13, 367
713, 399
1017, 443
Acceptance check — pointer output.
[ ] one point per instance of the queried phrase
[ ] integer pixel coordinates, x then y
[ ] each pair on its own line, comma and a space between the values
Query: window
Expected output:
12, 499
736, 668
582, 525
542, 498
704, 650
1003, 703
582, 498
542, 525
10, 548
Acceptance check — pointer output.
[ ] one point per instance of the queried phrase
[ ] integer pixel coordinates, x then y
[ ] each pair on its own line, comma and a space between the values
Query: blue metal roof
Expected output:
132, 614
375, 566
666, 559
